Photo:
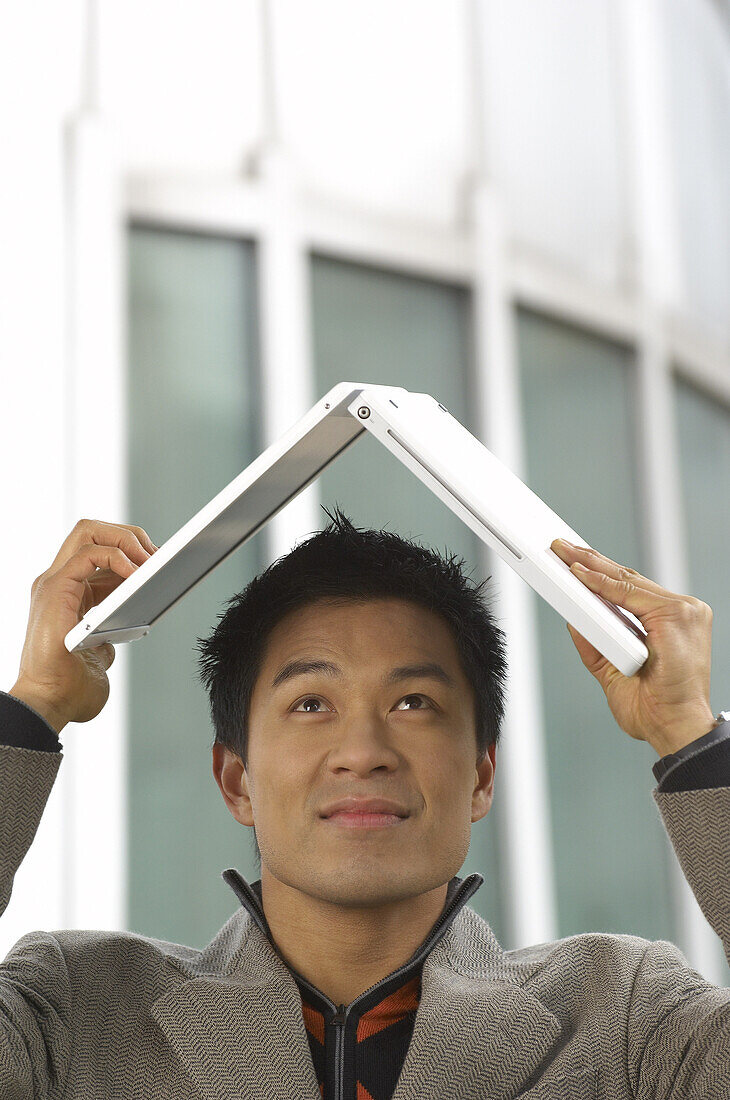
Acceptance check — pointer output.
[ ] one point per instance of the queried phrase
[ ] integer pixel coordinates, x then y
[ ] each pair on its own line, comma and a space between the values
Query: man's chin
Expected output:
366, 883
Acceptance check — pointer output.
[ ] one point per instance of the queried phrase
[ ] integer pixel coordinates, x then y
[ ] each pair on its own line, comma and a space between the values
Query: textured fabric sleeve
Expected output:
23, 727
703, 763
678, 1041
26, 780
698, 824
35, 1014
34, 985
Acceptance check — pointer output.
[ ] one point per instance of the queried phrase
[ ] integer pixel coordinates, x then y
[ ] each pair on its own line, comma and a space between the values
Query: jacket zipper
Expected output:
339, 1019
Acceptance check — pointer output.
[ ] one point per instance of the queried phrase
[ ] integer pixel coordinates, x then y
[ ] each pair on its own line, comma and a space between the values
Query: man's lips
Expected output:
350, 820
365, 806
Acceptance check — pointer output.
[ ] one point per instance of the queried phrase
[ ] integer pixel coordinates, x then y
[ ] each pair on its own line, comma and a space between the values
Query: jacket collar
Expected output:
234, 1015
457, 894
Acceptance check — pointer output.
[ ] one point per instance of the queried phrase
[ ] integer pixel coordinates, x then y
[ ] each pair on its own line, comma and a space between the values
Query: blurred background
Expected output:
210, 213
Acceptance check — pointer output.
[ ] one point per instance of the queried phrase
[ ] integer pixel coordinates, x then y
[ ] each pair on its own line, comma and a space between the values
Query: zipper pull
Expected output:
339, 1016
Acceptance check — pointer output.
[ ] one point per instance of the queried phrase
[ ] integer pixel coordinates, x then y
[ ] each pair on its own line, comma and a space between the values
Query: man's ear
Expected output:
481, 799
230, 775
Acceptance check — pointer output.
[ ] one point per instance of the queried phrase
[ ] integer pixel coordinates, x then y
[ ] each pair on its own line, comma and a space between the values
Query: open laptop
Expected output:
423, 435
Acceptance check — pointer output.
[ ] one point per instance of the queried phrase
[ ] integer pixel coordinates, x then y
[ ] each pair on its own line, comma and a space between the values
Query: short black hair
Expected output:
343, 562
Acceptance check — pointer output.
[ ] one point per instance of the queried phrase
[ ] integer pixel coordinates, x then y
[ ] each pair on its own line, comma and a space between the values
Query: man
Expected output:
357, 693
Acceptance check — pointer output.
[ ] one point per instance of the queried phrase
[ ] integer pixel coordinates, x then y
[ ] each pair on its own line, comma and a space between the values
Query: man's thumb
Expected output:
594, 661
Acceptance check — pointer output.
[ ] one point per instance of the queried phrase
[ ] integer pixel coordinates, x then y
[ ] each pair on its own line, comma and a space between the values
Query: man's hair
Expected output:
343, 562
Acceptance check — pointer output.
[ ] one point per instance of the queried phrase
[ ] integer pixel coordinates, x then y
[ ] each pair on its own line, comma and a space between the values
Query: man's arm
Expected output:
26, 779
678, 1030
54, 687
27, 773
34, 989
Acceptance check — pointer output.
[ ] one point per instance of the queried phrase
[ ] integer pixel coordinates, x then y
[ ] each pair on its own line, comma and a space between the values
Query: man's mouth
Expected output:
350, 820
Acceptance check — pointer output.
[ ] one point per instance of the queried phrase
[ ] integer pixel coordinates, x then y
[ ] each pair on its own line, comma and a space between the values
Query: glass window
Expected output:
398, 330
698, 91
704, 441
192, 405
611, 857
554, 137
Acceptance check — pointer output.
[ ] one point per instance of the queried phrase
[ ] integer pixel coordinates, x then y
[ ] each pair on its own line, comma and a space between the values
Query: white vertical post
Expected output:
95, 857
288, 388
95, 755
658, 278
531, 905
521, 758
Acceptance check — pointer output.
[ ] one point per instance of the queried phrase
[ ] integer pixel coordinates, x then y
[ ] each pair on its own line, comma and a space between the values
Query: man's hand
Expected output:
93, 560
667, 702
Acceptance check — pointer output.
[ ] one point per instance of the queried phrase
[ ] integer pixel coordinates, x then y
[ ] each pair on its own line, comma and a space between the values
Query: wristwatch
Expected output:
720, 730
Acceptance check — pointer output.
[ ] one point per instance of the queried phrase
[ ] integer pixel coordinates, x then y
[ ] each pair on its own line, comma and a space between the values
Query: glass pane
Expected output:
698, 92
397, 330
704, 441
192, 414
611, 855
554, 138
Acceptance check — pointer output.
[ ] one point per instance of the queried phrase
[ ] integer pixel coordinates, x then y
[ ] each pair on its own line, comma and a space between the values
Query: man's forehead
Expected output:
302, 666
338, 625
334, 647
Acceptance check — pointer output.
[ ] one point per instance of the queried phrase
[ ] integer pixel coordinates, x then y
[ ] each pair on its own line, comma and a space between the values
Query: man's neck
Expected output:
343, 951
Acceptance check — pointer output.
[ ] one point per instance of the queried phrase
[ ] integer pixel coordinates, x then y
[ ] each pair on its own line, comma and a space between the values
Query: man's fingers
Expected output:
636, 598
134, 541
98, 586
599, 562
591, 657
82, 565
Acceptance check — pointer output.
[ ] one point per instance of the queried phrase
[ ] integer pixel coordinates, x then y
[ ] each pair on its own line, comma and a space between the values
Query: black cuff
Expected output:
21, 727
703, 764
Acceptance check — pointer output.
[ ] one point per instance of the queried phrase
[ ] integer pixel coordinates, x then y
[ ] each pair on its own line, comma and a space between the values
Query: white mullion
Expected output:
231, 208
409, 245
521, 776
658, 279
665, 538
288, 387
287, 372
700, 361
568, 297
95, 810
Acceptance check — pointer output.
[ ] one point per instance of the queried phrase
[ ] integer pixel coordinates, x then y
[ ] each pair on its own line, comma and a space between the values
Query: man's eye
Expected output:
315, 699
309, 699
422, 698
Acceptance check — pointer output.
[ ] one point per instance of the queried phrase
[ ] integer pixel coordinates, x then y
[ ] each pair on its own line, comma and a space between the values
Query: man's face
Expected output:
318, 737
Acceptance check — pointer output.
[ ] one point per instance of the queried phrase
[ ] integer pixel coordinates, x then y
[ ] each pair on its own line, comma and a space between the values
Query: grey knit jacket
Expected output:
95, 1015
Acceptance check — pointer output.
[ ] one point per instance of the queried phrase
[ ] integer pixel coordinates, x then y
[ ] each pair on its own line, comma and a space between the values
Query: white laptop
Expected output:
423, 435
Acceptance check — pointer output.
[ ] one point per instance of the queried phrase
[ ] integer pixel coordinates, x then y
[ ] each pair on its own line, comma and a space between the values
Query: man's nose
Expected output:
364, 743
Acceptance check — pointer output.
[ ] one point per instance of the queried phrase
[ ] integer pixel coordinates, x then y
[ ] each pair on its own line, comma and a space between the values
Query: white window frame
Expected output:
288, 224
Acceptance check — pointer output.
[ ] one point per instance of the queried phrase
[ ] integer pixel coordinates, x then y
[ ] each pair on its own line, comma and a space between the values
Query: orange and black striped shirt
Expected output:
375, 1037
358, 1049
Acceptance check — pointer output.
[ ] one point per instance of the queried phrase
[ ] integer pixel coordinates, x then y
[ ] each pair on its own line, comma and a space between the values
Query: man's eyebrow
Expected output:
301, 666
